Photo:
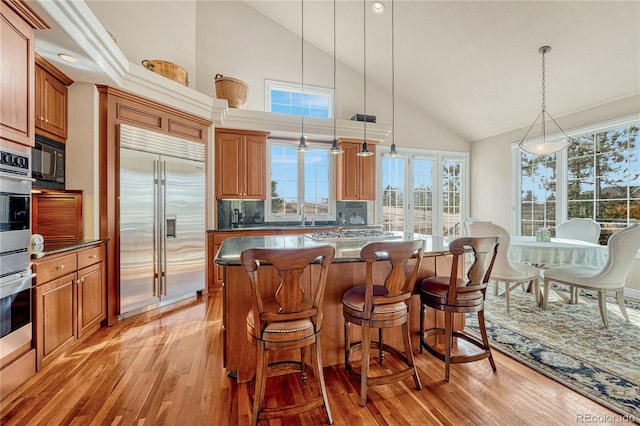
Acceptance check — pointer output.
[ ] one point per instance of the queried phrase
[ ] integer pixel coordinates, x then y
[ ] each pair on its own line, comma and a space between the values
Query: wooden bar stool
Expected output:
380, 306
452, 295
287, 316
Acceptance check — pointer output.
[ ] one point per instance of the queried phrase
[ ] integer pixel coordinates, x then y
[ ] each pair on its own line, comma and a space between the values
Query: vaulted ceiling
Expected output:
473, 66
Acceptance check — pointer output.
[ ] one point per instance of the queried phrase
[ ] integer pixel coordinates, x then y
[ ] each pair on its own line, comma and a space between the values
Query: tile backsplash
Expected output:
234, 213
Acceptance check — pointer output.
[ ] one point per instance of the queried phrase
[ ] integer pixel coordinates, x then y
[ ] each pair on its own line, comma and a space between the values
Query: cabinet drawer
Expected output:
51, 269
90, 256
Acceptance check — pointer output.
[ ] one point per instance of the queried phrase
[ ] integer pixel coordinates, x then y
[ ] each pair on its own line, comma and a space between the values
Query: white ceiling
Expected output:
473, 66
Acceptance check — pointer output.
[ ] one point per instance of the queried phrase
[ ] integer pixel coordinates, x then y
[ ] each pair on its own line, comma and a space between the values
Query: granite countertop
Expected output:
281, 227
47, 249
346, 251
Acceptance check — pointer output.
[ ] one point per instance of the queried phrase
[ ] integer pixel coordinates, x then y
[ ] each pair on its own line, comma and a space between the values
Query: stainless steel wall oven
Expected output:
15, 258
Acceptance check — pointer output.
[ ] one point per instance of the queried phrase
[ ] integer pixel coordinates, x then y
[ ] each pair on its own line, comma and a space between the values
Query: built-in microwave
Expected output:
47, 163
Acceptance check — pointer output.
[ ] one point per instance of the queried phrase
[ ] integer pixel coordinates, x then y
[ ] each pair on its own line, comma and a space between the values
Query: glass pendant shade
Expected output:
392, 152
365, 150
302, 146
335, 149
542, 146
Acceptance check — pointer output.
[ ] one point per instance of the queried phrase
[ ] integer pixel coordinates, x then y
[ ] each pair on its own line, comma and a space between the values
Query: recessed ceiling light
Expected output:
67, 57
377, 7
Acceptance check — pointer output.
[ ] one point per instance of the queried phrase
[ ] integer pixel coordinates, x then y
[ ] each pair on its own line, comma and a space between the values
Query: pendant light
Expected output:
302, 146
335, 149
365, 147
543, 147
392, 151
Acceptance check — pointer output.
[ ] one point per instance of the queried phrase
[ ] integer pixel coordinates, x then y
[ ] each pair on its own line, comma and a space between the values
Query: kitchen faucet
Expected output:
304, 218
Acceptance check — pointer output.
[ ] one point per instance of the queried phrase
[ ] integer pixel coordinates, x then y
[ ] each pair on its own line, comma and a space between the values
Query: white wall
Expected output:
249, 46
82, 156
166, 32
492, 176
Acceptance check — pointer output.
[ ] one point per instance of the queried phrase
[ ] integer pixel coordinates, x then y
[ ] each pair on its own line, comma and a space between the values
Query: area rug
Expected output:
569, 344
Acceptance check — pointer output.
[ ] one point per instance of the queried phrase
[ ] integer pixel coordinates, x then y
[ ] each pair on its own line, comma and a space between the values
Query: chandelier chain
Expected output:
543, 84
393, 77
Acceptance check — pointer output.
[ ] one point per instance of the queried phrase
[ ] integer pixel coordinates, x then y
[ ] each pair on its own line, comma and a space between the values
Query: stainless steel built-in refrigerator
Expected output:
162, 219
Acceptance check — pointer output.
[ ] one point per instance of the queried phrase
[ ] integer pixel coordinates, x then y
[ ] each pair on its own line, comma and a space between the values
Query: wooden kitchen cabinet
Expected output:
241, 164
17, 76
57, 216
51, 100
92, 282
69, 299
356, 176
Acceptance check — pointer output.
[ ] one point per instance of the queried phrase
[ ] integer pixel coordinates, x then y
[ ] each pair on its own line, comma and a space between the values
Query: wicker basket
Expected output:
233, 90
167, 69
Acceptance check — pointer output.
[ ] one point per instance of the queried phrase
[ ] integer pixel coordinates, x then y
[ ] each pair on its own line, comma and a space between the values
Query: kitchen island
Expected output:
346, 271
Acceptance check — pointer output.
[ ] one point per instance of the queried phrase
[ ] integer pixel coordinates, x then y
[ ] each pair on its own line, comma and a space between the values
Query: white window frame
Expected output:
440, 157
290, 217
561, 168
270, 85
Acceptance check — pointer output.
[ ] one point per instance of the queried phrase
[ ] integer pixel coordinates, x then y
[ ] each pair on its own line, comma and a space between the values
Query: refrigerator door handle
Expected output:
163, 234
156, 231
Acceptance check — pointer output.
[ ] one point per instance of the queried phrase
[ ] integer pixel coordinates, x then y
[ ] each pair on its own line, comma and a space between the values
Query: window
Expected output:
597, 177
288, 98
439, 197
538, 192
301, 183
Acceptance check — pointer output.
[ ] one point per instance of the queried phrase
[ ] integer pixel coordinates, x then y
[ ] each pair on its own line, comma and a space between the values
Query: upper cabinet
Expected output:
241, 164
51, 100
356, 177
17, 75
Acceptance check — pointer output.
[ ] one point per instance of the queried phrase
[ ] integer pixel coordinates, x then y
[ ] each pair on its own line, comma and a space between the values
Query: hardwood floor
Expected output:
164, 367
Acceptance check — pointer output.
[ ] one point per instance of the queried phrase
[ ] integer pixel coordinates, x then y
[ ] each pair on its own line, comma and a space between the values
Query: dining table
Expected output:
557, 252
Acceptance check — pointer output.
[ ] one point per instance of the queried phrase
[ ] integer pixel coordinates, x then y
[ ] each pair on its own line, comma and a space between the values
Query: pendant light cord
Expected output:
302, 68
364, 62
334, 69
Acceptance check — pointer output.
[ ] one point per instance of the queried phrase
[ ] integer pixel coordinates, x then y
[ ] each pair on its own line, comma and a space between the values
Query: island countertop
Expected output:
347, 250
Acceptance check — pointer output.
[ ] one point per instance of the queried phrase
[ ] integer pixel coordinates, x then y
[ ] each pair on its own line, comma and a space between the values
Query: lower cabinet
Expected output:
55, 305
69, 299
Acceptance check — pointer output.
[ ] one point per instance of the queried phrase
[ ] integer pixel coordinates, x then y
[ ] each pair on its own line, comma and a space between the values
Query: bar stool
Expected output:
458, 295
380, 306
284, 317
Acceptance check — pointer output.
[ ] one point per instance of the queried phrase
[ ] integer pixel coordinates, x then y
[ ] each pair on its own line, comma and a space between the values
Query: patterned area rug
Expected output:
569, 344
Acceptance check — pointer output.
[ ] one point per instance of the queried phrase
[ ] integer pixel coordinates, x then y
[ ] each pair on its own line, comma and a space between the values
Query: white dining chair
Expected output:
622, 246
579, 228
512, 274
464, 229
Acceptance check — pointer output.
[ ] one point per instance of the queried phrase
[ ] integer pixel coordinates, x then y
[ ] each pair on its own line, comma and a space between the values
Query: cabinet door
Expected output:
367, 176
218, 271
229, 167
348, 175
356, 175
255, 162
58, 217
51, 105
91, 298
55, 306
17, 86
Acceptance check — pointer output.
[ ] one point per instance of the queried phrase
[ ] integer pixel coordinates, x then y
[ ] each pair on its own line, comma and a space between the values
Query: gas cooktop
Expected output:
352, 234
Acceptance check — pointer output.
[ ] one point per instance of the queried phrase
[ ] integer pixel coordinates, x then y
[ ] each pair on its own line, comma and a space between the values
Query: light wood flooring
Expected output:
164, 367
